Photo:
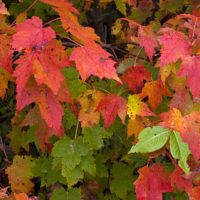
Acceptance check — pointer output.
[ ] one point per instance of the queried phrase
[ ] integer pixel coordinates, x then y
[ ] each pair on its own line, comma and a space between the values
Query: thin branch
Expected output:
136, 57
3, 149
53, 20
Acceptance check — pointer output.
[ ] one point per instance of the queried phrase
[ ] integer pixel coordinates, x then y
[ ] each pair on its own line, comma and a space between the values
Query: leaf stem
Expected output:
76, 131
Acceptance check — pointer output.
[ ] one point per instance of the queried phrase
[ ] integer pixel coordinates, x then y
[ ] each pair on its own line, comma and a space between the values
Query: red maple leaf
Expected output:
44, 64
49, 104
179, 180
175, 46
31, 33
91, 59
135, 78
191, 70
111, 106
152, 182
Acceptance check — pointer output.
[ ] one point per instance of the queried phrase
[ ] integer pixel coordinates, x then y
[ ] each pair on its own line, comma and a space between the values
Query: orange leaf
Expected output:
154, 90
5, 52
188, 126
91, 59
70, 22
5, 76
21, 196
135, 127
195, 193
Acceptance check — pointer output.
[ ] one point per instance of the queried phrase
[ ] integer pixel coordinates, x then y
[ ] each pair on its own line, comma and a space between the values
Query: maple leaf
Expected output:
88, 115
21, 196
45, 65
135, 77
137, 107
70, 22
147, 40
30, 33
154, 90
5, 52
178, 179
3, 9
5, 76
166, 70
188, 126
174, 46
19, 177
190, 69
145, 36
50, 108
194, 194
135, 127
91, 59
111, 106
42, 131
150, 178
191, 21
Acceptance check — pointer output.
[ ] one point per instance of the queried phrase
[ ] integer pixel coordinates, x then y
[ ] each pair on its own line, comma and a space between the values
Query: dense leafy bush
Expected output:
99, 99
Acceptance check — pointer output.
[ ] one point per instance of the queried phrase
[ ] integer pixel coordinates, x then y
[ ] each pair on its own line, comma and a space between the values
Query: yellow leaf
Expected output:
5, 76
137, 107
19, 174
88, 116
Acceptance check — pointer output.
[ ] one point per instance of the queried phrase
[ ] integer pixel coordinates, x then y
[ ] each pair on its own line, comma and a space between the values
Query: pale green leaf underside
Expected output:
179, 150
151, 139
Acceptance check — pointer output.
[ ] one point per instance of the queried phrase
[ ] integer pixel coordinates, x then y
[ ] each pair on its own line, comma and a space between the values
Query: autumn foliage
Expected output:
87, 117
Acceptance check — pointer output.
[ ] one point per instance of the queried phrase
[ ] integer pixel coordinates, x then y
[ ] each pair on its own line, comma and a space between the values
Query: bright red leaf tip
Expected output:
191, 70
152, 182
174, 46
111, 106
135, 77
91, 59
31, 34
